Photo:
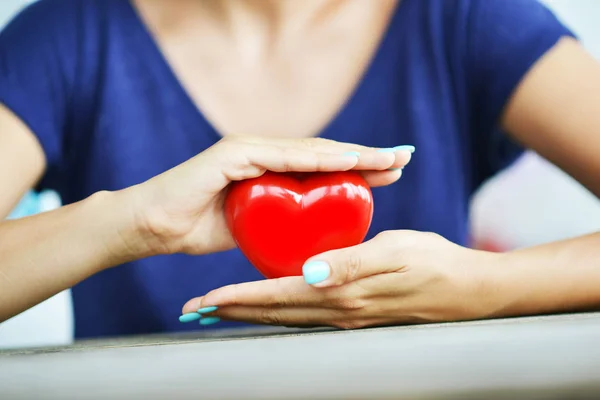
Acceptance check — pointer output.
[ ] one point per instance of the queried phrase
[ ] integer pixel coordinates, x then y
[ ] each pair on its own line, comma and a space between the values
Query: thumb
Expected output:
338, 267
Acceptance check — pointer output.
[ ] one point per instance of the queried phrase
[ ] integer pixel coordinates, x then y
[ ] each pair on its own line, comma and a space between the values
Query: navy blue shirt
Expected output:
91, 83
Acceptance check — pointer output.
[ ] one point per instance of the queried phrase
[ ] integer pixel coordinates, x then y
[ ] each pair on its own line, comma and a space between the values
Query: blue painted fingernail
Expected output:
189, 317
394, 169
315, 272
408, 148
206, 310
388, 150
209, 320
352, 153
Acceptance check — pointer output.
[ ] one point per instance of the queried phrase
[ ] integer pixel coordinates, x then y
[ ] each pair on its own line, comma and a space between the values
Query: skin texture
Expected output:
390, 279
179, 211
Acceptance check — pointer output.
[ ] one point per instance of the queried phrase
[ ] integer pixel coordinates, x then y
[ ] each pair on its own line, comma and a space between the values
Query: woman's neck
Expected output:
254, 27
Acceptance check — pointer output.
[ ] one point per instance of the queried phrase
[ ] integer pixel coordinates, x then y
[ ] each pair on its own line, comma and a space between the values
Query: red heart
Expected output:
280, 220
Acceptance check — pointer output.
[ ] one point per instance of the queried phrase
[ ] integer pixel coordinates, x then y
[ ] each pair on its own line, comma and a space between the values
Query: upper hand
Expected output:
181, 210
398, 277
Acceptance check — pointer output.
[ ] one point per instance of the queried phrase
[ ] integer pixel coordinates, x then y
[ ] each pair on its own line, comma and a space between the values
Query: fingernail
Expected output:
315, 272
394, 169
209, 320
206, 310
352, 153
388, 150
408, 148
189, 317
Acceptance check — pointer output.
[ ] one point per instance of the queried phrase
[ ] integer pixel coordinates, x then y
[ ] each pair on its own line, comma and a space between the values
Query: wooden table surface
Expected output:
555, 357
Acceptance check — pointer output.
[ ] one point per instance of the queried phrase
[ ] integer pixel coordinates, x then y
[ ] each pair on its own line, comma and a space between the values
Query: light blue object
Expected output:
29, 205
206, 310
405, 148
315, 272
189, 317
209, 320
352, 153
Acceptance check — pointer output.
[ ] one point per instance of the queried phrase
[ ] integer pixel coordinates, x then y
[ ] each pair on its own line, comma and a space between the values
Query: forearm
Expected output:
551, 278
47, 253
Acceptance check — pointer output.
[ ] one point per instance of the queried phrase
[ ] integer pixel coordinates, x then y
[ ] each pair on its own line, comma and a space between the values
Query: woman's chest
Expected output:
151, 127
279, 80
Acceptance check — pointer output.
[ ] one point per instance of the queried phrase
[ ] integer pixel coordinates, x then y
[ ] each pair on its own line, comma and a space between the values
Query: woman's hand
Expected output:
398, 277
181, 210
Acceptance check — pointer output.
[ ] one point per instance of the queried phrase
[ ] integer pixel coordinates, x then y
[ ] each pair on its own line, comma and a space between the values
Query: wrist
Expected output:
118, 228
493, 287
519, 285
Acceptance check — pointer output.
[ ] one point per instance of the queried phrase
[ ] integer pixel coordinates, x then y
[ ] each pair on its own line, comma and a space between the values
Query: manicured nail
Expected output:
189, 317
315, 272
408, 148
394, 169
352, 153
209, 320
206, 310
388, 150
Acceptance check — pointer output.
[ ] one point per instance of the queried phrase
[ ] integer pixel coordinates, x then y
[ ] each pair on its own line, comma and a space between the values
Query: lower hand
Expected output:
398, 277
181, 210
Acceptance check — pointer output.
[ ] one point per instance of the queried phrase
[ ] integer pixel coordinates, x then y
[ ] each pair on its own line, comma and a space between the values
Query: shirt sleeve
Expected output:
36, 50
505, 39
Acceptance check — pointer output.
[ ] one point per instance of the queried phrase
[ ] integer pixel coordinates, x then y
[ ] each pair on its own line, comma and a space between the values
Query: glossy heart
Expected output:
280, 220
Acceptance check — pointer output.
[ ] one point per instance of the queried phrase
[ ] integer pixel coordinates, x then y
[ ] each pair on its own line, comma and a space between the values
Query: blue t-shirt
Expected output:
89, 80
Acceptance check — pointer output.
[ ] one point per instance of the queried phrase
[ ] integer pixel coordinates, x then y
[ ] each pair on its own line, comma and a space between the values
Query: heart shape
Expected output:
279, 220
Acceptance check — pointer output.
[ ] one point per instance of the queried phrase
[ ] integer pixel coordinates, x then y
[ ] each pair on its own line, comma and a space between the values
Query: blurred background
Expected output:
529, 204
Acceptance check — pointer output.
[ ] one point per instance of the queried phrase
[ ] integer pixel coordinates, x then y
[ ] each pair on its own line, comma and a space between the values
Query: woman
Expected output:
101, 97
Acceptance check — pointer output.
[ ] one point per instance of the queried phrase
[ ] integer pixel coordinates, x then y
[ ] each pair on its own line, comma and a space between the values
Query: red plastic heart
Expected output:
280, 220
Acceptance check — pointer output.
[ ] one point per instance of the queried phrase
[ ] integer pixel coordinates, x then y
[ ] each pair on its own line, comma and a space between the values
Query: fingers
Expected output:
393, 173
250, 157
381, 178
318, 145
370, 158
282, 292
299, 317
290, 159
272, 292
338, 267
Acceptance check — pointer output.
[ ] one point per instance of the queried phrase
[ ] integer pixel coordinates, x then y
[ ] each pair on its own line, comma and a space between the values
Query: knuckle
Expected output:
308, 142
276, 301
314, 142
270, 317
431, 236
280, 297
233, 294
351, 304
316, 161
353, 267
386, 236
287, 160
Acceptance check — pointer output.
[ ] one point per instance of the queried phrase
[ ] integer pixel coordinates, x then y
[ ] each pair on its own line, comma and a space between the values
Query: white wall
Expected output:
529, 204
